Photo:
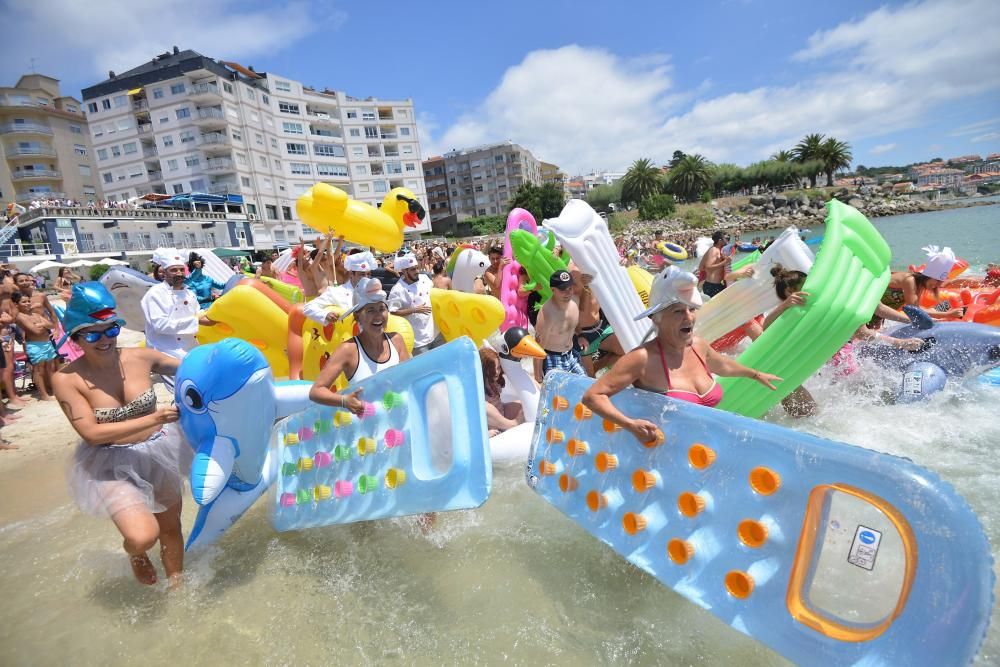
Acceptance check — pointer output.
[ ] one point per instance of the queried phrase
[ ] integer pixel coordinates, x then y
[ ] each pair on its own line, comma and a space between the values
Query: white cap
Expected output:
360, 261
407, 261
368, 290
939, 262
670, 286
167, 257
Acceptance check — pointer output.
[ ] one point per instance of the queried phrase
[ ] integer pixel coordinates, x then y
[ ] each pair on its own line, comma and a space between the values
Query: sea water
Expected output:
513, 582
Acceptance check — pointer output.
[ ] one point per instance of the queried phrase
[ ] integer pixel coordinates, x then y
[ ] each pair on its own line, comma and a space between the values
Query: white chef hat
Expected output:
360, 261
939, 262
407, 261
367, 291
167, 257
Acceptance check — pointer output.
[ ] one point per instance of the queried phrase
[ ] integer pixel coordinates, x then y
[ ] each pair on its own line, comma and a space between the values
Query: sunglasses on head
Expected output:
94, 336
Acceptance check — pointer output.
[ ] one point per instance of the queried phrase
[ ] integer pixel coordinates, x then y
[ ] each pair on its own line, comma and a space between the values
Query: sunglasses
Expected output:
94, 336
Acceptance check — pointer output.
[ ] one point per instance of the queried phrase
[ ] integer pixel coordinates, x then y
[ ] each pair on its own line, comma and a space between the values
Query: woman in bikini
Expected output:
675, 363
906, 288
129, 462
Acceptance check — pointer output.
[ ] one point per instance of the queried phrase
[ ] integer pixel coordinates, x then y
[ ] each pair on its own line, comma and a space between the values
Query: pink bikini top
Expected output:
709, 399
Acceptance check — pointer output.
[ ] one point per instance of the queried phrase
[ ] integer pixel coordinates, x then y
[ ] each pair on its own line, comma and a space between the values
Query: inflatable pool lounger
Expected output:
825, 552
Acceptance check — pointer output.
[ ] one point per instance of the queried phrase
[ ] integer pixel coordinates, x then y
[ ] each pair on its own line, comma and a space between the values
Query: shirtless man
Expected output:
714, 265
39, 302
41, 353
440, 277
493, 275
7, 315
593, 332
304, 270
555, 328
266, 269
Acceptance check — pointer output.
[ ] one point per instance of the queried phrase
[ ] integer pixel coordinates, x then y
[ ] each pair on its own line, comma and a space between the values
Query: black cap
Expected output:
561, 279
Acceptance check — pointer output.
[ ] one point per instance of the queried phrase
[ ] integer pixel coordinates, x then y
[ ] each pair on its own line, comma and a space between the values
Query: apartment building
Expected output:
436, 182
482, 180
45, 144
552, 174
184, 122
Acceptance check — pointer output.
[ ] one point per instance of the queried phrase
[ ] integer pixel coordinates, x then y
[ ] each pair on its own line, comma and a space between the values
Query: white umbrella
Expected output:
111, 262
80, 262
45, 266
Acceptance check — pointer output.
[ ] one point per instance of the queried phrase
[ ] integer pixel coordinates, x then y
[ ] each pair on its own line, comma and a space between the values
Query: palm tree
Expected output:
835, 155
642, 180
783, 156
691, 176
810, 148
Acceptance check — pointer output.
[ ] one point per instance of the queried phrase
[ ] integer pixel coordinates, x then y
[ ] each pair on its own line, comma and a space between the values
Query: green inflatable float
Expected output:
749, 259
845, 285
537, 260
292, 293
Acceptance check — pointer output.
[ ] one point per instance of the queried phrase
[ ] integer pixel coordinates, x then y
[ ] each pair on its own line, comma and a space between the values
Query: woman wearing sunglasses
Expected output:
129, 461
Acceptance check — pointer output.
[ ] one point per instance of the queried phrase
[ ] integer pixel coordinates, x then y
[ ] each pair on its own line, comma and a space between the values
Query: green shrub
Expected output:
697, 218
486, 225
98, 270
657, 207
618, 223
706, 197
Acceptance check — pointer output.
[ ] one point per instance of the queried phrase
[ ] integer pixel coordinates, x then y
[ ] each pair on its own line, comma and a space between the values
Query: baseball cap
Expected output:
367, 291
561, 279
672, 286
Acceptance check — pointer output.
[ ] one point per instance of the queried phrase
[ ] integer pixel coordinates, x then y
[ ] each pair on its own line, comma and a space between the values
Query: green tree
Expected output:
676, 158
691, 177
485, 225
603, 196
783, 156
835, 155
642, 180
543, 202
657, 207
809, 150
98, 270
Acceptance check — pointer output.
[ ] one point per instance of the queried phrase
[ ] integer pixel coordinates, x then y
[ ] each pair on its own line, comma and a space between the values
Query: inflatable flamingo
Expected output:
515, 307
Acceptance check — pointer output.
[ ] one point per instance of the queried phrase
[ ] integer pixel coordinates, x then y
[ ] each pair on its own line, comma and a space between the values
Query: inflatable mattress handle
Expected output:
845, 284
825, 552
584, 234
421, 447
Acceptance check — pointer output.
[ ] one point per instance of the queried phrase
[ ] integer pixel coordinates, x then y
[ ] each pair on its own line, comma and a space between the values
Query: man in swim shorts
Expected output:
37, 330
556, 327
714, 265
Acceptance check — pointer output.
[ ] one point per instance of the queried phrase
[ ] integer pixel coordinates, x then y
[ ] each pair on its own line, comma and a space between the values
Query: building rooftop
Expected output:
167, 65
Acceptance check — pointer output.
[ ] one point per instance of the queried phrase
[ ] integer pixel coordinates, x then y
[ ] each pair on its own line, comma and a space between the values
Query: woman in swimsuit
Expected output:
675, 363
907, 287
129, 462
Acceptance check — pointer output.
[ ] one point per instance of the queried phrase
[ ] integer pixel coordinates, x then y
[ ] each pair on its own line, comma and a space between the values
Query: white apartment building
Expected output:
187, 123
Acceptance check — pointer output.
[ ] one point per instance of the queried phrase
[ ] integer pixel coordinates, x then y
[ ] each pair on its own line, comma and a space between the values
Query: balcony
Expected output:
209, 116
38, 196
25, 249
140, 105
26, 128
155, 175
149, 152
322, 118
144, 129
330, 134
389, 135
214, 141
219, 165
385, 114
204, 90
35, 174
28, 151
223, 189
389, 153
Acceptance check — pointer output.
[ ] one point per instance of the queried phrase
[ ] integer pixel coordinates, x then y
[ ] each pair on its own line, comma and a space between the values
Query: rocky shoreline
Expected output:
766, 212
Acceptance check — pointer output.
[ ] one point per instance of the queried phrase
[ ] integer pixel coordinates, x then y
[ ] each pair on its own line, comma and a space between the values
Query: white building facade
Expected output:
186, 123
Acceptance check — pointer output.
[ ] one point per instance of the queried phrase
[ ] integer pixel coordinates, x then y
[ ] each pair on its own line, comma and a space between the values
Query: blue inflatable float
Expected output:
827, 553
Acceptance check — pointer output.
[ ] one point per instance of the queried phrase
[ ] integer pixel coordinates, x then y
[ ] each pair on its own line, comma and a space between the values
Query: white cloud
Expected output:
973, 128
583, 108
83, 40
989, 136
882, 148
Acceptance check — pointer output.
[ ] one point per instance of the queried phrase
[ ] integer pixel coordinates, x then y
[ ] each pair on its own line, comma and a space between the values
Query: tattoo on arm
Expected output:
68, 410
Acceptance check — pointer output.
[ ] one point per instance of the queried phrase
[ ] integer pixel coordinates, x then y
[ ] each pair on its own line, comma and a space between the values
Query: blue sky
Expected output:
584, 84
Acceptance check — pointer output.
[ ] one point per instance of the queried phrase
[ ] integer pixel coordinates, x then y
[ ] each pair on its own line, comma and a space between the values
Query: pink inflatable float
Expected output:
515, 306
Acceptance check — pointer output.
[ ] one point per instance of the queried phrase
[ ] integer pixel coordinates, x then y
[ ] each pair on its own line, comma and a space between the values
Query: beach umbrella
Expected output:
45, 266
80, 262
111, 262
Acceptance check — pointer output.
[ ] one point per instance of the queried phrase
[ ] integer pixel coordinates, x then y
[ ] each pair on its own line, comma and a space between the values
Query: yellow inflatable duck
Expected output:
252, 312
326, 208
462, 314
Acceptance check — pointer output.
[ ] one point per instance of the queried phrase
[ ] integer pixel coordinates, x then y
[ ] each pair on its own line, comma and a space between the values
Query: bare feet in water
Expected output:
143, 569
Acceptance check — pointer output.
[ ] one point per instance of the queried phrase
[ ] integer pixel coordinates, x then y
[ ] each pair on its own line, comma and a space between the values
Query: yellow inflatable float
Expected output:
642, 281
256, 314
329, 209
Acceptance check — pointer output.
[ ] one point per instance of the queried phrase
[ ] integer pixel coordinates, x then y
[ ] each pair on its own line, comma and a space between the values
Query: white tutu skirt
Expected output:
107, 479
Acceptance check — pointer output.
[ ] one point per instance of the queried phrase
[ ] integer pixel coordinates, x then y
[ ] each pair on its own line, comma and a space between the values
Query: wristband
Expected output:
343, 401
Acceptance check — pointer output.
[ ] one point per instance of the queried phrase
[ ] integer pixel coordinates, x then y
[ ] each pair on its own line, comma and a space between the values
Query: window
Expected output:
106, 104
404, 131
482, 211
168, 141
371, 132
187, 136
176, 88
92, 107
79, 149
350, 114
258, 138
367, 115
178, 188
410, 166
288, 107
102, 153
183, 112
116, 151
245, 182
120, 101
380, 187
250, 95
358, 151
198, 185
262, 160
286, 212
237, 135
84, 170
265, 184
108, 178
292, 128
75, 129
274, 143
283, 85
331, 170
299, 168
407, 150
192, 160
355, 132
265, 99
402, 113
254, 116
164, 119
129, 148
479, 188
228, 87
171, 165
360, 170
328, 150
296, 149
363, 187
241, 159
272, 211
233, 113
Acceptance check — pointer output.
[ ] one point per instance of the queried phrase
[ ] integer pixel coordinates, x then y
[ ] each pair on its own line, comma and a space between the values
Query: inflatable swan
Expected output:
515, 344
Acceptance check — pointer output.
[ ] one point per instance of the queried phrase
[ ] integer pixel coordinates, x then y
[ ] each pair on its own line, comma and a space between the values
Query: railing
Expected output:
204, 89
385, 115
8, 231
20, 150
128, 245
219, 164
7, 102
24, 249
85, 212
214, 139
35, 173
223, 189
325, 133
150, 151
32, 196
388, 135
140, 105
211, 114
145, 128
25, 128
392, 153
155, 175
